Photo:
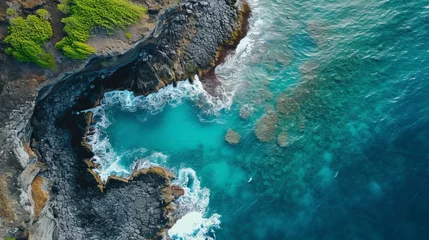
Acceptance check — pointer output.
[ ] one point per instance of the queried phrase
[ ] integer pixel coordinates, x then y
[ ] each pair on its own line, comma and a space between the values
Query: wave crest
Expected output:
192, 207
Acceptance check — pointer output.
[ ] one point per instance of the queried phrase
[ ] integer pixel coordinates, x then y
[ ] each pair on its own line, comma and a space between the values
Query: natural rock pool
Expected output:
330, 102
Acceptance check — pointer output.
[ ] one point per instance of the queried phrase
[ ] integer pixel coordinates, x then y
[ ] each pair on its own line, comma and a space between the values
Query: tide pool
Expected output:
331, 102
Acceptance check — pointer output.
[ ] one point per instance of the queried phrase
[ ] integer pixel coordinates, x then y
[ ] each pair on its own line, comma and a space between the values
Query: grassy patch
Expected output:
83, 16
26, 38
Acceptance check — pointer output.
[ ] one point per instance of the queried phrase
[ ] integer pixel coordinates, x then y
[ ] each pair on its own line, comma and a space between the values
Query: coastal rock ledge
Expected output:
47, 190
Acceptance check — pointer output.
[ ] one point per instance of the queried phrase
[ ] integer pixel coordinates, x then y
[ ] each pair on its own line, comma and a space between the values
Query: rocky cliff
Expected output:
46, 190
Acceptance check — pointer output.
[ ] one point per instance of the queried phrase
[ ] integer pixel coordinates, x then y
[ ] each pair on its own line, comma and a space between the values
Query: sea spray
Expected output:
192, 209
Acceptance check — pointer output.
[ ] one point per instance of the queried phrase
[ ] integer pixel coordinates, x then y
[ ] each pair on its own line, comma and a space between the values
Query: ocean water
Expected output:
331, 100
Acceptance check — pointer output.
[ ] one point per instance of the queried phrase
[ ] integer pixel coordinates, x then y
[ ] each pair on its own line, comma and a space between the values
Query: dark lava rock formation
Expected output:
188, 43
187, 40
77, 209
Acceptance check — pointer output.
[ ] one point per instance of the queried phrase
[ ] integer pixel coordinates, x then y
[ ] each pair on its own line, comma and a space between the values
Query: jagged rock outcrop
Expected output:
203, 27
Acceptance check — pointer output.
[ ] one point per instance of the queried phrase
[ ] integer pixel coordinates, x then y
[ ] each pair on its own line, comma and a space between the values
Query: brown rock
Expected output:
266, 126
7, 213
232, 137
32, 3
91, 164
98, 179
39, 194
177, 191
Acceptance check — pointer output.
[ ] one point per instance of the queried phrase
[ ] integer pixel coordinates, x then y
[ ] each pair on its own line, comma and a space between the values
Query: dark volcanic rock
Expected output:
187, 41
133, 210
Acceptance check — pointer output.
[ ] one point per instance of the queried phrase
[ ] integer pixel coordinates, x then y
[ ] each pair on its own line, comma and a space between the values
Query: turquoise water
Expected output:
338, 93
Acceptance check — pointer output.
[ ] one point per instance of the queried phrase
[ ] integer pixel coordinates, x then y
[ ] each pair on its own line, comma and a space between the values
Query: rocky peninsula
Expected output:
47, 189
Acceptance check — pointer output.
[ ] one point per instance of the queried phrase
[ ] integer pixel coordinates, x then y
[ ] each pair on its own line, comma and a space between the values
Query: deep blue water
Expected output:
344, 83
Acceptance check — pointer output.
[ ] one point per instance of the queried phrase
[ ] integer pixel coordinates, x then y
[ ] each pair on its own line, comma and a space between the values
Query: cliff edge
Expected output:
46, 190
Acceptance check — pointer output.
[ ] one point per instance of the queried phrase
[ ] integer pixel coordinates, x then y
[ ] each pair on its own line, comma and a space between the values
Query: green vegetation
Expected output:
128, 35
11, 12
9, 238
86, 15
26, 38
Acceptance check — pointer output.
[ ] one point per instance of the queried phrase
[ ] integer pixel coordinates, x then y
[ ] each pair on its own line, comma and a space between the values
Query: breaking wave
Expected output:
105, 156
235, 70
170, 95
192, 208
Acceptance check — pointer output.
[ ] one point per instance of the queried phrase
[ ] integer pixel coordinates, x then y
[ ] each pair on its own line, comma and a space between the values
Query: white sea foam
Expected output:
170, 95
155, 159
106, 157
229, 73
110, 162
194, 226
192, 208
194, 222
234, 72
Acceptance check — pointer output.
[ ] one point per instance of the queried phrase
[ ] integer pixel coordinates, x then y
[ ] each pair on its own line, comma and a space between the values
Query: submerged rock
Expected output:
282, 139
266, 126
286, 105
246, 111
232, 137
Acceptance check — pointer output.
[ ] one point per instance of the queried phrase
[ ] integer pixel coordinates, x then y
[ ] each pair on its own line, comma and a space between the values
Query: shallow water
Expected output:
345, 85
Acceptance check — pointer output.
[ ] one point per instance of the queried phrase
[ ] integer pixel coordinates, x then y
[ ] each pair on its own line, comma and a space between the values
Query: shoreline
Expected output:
208, 74
58, 122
